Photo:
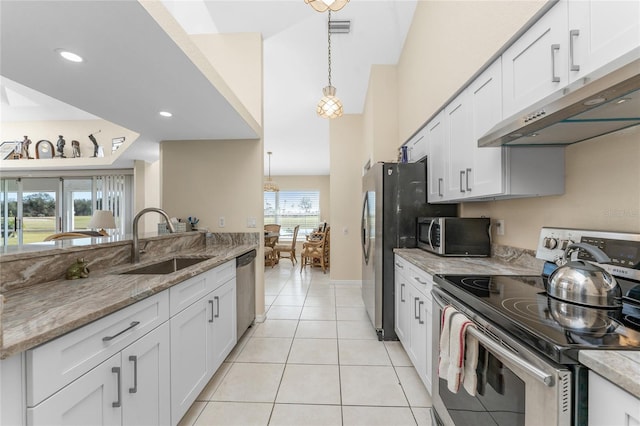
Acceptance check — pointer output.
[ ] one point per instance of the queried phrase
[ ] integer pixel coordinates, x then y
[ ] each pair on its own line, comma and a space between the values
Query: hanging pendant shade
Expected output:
269, 185
324, 5
329, 106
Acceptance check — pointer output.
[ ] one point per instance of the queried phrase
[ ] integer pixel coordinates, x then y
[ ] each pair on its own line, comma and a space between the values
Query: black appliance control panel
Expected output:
622, 253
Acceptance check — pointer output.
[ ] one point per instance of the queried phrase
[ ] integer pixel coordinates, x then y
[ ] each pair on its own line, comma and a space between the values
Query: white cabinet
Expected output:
601, 32
535, 65
130, 388
611, 405
436, 161
202, 334
417, 146
413, 316
461, 171
402, 311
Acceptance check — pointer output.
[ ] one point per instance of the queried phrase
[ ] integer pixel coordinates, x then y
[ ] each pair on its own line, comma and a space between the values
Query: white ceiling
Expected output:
133, 69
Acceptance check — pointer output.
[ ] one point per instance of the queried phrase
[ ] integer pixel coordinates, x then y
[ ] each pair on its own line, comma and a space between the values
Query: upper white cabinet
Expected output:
417, 146
436, 166
536, 64
571, 41
601, 32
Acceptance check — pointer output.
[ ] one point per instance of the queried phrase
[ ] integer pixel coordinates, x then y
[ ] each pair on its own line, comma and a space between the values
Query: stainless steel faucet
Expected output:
135, 253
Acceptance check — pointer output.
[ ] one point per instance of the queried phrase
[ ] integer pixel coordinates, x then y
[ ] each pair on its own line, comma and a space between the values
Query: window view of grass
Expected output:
291, 208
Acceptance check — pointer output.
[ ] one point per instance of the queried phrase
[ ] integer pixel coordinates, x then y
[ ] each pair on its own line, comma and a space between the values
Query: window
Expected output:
291, 208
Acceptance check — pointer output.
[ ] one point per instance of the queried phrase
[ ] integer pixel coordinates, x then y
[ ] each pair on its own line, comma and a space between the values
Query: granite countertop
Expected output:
619, 367
36, 314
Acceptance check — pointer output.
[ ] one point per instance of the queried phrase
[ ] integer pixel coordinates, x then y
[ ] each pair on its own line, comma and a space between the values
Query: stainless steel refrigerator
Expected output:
394, 195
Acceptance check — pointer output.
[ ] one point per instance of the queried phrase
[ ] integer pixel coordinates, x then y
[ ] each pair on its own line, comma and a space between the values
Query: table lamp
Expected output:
102, 219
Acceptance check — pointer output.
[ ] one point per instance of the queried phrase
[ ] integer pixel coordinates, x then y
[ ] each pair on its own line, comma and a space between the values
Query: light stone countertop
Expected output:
38, 313
619, 367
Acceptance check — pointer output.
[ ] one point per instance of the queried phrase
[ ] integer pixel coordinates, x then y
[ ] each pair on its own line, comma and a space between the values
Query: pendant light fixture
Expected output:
269, 185
324, 5
330, 106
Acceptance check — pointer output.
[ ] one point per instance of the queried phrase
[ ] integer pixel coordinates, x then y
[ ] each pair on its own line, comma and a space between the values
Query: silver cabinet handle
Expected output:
420, 281
462, 173
468, 173
217, 299
118, 403
134, 359
420, 312
399, 265
440, 187
415, 308
211, 303
572, 35
402, 293
554, 77
108, 338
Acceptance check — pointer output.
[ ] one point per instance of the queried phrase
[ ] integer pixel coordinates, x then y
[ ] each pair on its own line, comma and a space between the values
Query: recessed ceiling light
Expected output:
165, 114
69, 56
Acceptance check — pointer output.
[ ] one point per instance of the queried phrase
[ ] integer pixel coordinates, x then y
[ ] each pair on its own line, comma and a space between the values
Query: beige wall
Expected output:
381, 115
346, 135
238, 59
210, 179
147, 192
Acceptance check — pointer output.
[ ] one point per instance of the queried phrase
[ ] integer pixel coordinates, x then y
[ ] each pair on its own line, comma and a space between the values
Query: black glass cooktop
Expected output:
520, 306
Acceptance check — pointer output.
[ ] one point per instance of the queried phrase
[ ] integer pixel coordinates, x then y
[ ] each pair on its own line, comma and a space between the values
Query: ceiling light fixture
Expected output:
329, 106
69, 56
166, 114
269, 185
324, 5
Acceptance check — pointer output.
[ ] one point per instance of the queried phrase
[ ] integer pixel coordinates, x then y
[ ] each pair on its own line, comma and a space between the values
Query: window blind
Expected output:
291, 208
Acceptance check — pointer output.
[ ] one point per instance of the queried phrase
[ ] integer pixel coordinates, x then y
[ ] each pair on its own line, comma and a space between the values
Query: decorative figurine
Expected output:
95, 144
75, 145
25, 148
61, 143
79, 269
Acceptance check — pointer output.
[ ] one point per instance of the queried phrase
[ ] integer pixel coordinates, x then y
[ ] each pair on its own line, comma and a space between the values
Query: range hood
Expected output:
594, 108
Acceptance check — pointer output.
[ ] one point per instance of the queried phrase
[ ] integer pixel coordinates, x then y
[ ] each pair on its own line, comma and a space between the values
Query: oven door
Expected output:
515, 386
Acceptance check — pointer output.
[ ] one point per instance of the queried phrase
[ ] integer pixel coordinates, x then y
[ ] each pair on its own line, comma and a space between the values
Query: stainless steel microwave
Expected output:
455, 236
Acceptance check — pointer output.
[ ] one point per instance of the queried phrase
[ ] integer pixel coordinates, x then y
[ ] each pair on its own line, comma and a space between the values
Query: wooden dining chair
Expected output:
288, 248
270, 242
317, 252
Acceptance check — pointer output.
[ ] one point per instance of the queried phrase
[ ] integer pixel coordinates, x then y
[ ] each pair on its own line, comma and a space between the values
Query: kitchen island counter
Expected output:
37, 313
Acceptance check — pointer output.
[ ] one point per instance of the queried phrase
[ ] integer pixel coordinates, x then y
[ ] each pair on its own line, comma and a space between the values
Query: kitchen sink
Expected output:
167, 266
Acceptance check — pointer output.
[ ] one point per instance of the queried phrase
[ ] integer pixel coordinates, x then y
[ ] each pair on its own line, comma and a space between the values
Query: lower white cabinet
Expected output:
413, 316
130, 388
202, 335
611, 405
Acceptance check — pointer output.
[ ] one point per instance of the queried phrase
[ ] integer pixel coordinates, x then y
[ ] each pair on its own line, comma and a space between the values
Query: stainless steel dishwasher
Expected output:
245, 291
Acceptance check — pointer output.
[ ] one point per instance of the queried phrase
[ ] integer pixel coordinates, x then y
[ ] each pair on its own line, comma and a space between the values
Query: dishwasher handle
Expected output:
245, 259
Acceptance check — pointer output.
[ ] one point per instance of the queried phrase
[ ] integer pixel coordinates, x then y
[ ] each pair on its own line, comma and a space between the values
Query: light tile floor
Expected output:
316, 360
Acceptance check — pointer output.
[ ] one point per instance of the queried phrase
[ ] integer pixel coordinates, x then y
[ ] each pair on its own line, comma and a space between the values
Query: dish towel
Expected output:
458, 352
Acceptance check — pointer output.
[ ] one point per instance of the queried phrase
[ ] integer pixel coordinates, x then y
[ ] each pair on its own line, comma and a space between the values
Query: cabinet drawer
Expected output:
422, 281
222, 274
187, 292
55, 364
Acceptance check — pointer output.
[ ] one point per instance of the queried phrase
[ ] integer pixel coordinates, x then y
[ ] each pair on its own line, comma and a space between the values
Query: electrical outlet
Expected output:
221, 222
251, 222
499, 224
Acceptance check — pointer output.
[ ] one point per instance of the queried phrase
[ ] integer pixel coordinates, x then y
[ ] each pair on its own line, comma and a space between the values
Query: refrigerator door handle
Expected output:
366, 242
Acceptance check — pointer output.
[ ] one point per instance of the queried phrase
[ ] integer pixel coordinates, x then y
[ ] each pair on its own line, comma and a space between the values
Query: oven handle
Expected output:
545, 378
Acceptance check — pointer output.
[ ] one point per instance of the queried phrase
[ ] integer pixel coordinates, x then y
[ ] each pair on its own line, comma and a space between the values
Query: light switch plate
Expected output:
221, 222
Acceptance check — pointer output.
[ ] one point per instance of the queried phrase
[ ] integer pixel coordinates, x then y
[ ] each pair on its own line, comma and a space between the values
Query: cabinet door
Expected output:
428, 332
436, 144
417, 146
458, 155
92, 399
600, 32
536, 64
145, 380
224, 330
401, 304
418, 352
610, 405
485, 98
190, 364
